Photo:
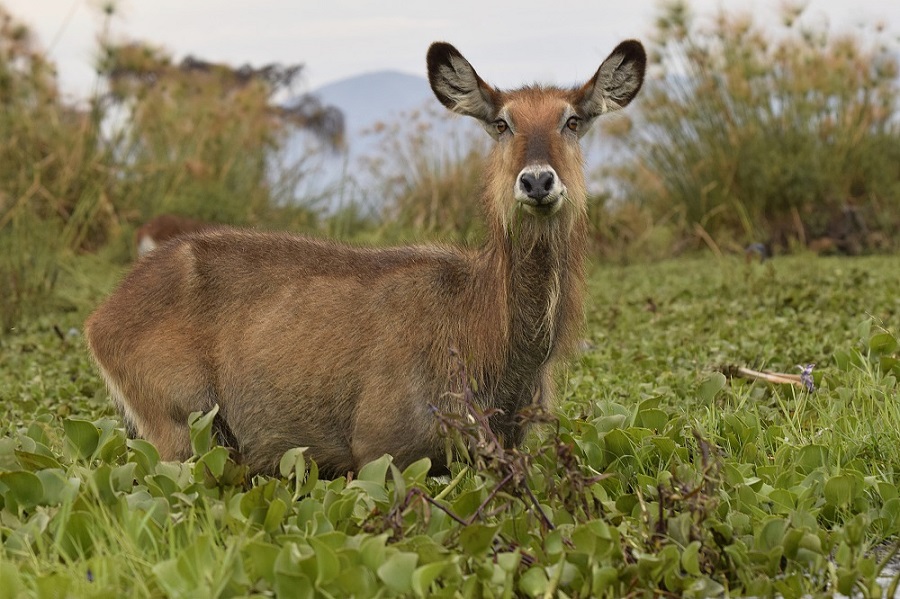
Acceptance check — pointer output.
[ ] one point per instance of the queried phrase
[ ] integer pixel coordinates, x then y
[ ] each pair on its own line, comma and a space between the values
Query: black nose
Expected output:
537, 186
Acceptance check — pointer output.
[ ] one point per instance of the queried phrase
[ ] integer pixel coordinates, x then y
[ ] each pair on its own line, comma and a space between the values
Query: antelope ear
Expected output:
458, 86
616, 82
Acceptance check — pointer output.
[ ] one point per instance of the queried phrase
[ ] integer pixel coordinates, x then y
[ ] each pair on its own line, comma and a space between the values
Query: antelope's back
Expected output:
244, 298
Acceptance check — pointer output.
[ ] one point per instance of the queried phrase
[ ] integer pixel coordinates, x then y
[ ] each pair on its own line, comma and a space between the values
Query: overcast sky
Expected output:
508, 41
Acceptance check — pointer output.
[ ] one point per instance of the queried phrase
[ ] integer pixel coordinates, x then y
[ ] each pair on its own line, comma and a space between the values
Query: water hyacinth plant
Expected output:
654, 475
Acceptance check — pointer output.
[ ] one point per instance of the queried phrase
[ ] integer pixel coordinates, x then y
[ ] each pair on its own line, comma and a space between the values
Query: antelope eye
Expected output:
501, 126
572, 123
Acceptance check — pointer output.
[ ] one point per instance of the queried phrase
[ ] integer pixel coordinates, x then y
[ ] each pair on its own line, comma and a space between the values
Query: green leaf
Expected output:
171, 579
375, 471
372, 551
293, 463
274, 515
771, 534
784, 501
376, 491
690, 559
24, 489
605, 424
584, 540
145, 455
35, 461
554, 544
477, 538
212, 463
291, 585
399, 484
468, 502
111, 445
652, 418
618, 443
327, 563
811, 457
864, 328
82, 436
841, 489
665, 446
534, 581
846, 581
397, 571
855, 529
890, 511
423, 576
53, 586
201, 430
883, 343
604, 578
102, 478
711, 386
509, 561
162, 485
75, 533
312, 477
417, 472
358, 581
58, 488
260, 559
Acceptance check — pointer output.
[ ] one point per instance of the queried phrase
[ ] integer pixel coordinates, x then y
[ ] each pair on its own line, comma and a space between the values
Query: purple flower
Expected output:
806, 377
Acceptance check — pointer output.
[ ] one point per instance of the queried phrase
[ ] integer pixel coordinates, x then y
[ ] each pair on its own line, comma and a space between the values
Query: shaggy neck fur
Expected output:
526, 295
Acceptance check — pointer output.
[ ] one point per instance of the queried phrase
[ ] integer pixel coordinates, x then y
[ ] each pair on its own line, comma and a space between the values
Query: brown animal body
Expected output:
348, 351
164, 227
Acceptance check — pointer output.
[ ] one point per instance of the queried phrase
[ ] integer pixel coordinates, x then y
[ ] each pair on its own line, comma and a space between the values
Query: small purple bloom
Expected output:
806, 377
90, 575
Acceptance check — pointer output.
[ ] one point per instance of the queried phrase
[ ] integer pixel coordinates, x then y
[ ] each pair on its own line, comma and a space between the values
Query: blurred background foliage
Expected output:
788, 137
784, 135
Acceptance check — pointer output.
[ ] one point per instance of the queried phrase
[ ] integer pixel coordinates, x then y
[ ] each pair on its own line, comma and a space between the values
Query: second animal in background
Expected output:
164, 227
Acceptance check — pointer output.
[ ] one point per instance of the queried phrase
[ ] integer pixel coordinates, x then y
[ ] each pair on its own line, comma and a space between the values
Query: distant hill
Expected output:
366, 100
372, 97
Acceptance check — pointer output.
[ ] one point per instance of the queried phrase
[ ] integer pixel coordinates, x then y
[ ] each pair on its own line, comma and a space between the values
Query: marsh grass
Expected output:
786, 135
190, 137
427, 172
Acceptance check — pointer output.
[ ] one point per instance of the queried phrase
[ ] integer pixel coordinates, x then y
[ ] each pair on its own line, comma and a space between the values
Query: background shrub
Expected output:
52, 175
195, 138
426, 173
782, 135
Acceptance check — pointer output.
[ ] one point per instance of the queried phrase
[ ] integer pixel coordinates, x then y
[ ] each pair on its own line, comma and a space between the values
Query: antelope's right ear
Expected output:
458, 86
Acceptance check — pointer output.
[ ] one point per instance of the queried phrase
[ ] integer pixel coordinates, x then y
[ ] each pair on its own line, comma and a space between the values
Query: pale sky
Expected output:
508, 41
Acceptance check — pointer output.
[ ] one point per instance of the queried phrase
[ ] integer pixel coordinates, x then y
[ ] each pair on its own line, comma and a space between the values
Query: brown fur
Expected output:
348, 350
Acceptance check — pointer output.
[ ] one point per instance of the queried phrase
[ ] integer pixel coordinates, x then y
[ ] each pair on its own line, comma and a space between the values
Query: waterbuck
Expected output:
351, 351
164, 227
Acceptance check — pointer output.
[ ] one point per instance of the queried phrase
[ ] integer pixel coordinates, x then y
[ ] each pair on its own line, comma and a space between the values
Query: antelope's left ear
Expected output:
616, 82
458, 86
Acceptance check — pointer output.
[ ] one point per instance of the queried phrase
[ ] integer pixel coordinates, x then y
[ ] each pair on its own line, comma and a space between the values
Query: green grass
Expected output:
658, 476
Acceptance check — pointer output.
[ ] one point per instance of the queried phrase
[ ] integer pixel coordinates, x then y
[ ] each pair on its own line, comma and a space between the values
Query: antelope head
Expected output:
536, 168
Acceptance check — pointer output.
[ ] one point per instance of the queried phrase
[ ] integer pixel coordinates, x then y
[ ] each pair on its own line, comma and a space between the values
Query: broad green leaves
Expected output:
661, 474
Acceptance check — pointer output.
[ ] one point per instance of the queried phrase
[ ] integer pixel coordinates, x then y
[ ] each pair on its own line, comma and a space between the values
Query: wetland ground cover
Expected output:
659, 473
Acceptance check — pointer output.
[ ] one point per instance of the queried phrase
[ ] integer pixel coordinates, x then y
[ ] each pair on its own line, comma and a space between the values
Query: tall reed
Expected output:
752, 133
